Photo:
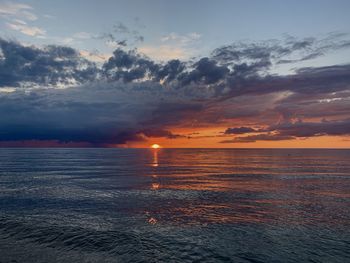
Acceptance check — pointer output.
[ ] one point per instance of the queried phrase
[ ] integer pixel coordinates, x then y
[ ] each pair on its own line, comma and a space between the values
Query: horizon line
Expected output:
226, 148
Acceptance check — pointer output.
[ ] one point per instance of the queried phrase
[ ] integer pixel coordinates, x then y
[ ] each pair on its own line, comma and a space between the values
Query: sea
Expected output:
174, 205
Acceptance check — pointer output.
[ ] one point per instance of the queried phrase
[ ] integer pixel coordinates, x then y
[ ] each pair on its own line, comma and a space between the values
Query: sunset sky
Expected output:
175, 73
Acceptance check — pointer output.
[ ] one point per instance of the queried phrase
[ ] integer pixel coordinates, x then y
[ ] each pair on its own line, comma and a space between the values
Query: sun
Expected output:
155, 146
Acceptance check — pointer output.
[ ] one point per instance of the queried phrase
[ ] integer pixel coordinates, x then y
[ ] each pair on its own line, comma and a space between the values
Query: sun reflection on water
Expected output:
155, 186
155, 158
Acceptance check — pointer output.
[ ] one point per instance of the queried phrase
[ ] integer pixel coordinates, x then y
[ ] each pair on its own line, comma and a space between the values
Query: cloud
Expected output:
25, 29
157, 133
305, 81
19, 18
288, 50
129, 66
206, 71
291, 131
239, 130
309, 129
94, 56
131, 97
22, 11
122, 36
175, 112
121, 28
181, 39
259, 137
99, 114
52, 65
169, 71
316, 105
172, 46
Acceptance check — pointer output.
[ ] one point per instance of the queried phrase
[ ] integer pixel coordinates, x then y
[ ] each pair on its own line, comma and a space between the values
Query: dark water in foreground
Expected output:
118, 205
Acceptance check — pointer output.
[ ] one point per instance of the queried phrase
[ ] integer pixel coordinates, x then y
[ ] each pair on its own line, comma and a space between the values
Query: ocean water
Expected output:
174, 205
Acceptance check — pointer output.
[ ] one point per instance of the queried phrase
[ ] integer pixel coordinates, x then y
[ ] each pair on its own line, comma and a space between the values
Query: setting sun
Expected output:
155, 146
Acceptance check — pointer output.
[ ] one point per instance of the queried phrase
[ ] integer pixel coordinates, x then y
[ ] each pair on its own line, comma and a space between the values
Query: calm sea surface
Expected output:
174, 205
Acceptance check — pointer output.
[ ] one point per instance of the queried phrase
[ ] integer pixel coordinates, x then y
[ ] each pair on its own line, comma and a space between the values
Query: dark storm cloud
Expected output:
129, 66
49, 66
172, 113
259, 137
305, 81
65, 116
170, 70
290, 131
131, 97
309, 129
55, 64
322, 105
239, 130
156, 133
101, 113
206, 71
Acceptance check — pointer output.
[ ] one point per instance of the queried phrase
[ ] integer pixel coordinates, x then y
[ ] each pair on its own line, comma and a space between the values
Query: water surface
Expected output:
174, 205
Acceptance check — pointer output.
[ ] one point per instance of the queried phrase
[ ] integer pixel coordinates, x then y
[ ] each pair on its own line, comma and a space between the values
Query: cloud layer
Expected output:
58, 95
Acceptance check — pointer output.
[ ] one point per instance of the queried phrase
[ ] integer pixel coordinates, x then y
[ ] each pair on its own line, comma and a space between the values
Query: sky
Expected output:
193, 73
